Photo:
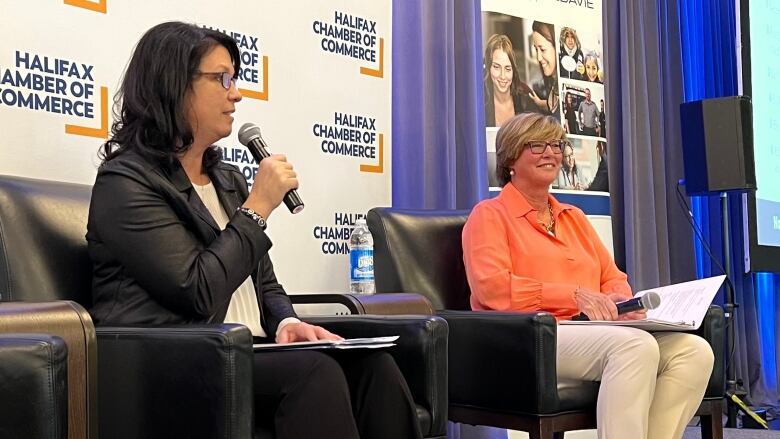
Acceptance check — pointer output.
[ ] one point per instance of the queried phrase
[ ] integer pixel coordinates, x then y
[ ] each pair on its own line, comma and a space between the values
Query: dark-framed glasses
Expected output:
225, 78
556, 146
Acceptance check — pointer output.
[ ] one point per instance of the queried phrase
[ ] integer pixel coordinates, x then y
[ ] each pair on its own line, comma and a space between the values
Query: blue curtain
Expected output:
708, 33
438, 134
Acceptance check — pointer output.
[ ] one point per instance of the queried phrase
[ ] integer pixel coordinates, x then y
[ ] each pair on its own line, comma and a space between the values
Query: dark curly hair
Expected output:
148, 108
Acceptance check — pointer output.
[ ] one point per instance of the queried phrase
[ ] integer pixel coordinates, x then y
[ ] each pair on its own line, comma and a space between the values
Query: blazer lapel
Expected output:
227, 192
204, 222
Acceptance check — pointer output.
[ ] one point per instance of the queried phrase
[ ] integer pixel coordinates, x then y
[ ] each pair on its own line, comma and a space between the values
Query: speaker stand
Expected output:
733, 383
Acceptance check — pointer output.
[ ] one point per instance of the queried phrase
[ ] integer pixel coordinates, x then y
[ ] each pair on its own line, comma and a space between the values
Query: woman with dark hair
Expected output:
570, 115
526, 251
501, 81
175, 237
601, 179
570, 176
545, 95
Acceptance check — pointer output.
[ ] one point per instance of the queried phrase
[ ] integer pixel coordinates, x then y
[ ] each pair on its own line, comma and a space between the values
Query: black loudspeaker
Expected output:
717, 137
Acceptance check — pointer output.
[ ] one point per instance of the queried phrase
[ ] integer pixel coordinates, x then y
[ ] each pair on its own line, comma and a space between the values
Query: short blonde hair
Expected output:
518, 130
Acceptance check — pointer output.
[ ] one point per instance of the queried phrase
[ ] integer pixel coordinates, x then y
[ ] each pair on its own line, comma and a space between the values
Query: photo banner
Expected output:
315, 77
547, 57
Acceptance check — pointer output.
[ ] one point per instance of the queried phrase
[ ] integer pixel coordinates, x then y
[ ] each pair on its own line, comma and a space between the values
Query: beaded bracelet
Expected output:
254, 216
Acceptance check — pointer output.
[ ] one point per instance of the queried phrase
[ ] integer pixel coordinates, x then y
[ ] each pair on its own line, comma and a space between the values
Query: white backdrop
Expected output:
57, 56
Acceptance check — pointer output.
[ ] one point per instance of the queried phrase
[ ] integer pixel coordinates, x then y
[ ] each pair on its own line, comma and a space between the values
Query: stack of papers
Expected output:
683, 307
350, 343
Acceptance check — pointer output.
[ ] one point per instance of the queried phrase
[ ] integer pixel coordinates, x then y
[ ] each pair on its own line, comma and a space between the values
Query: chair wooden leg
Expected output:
542, 430
712, 424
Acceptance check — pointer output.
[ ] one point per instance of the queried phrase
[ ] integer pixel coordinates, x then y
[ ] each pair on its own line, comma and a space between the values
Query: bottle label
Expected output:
362, 263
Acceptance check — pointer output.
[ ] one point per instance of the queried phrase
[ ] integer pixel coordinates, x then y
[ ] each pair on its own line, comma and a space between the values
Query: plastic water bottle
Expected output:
361, 259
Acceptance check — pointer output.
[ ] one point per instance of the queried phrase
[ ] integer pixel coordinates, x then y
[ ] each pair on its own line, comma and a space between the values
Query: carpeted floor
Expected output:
734, 433
472, 432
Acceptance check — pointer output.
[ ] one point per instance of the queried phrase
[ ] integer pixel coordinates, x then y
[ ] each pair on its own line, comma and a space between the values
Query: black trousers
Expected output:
341, 395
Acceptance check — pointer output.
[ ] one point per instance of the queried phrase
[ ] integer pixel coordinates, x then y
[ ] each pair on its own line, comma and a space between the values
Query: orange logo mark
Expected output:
378, 169
261, 95
100, 6
380, 72
101, 132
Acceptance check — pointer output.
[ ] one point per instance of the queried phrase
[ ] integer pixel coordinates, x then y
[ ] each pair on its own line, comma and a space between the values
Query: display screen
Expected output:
760, 80
764, 15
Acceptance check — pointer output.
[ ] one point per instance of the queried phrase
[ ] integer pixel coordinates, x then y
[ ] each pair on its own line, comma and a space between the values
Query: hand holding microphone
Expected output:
594, 307
275, 174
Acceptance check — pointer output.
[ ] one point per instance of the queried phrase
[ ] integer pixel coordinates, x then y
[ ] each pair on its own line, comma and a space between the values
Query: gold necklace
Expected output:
551, 227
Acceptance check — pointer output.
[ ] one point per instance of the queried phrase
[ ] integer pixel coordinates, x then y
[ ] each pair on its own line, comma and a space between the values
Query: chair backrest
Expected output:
43, 252
419, 251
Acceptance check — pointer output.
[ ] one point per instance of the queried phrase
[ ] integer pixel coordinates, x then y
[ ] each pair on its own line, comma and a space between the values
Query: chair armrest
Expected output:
503, 361
33, 386
175, 381
72, 323
713, 330
421, 354
381, 304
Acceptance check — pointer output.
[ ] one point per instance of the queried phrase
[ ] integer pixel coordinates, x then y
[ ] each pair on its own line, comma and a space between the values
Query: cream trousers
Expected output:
651, 384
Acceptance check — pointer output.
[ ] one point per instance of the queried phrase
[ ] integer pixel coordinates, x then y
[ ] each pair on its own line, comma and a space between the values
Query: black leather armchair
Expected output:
177, 381
33, 386
502, 365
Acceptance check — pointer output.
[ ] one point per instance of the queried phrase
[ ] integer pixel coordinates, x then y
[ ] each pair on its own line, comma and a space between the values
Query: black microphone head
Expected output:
650, 300
248, 132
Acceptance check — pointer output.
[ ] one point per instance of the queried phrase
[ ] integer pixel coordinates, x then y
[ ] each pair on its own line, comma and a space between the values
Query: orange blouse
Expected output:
513, 264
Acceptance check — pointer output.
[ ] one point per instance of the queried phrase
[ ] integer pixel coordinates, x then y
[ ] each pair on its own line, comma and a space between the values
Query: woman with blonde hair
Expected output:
525, 251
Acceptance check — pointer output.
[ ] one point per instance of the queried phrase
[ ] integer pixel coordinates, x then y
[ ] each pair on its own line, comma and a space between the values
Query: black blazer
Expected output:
158, 256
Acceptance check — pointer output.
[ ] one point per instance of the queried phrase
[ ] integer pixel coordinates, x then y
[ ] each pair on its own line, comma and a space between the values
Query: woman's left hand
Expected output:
634, 315
304, 332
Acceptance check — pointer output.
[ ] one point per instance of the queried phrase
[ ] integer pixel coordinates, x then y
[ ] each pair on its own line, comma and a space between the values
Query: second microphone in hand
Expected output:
249, 136
649, 300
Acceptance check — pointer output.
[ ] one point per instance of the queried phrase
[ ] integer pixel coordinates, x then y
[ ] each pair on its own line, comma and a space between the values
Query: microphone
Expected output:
649, 300
249, 136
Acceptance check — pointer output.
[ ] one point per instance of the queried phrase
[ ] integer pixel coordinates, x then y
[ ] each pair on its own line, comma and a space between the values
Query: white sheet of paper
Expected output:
350, 343
683, 306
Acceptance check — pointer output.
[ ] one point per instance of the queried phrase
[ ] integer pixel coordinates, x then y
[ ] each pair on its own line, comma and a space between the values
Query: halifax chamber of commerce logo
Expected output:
354, 37
352, 135
335, 238
55, 85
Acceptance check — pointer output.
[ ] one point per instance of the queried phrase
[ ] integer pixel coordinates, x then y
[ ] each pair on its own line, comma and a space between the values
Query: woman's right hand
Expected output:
541, 103
275, 177
597, 306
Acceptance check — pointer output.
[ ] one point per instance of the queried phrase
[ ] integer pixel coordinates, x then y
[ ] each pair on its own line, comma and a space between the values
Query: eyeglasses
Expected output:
225, 78
556, 146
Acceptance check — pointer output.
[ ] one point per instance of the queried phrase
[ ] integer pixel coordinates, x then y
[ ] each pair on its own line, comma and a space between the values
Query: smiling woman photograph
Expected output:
526, 251
592, 71
177, 238
545, 94
570, 54
501, 80
570, 176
